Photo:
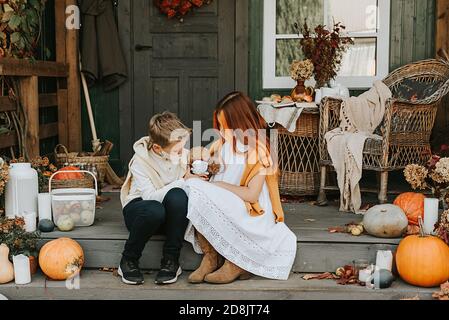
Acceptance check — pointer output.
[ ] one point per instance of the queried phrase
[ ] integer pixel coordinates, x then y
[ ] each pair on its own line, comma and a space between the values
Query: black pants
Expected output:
147, 218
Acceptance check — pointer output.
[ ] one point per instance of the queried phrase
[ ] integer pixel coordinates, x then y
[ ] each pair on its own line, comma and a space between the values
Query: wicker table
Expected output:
298, 156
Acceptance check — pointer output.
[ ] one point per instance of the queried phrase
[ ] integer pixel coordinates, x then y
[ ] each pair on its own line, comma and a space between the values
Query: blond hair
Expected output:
166, 129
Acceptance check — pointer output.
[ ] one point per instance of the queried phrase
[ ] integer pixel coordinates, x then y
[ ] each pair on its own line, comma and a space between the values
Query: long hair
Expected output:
238, 113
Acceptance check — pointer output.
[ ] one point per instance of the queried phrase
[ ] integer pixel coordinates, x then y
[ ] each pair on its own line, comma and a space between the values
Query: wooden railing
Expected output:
28, 73
67, 96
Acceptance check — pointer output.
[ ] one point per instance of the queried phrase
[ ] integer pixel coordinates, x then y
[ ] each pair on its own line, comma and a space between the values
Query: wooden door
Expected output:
182, 67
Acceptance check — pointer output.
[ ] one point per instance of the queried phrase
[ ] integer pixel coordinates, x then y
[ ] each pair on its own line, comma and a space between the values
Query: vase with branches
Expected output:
325, 48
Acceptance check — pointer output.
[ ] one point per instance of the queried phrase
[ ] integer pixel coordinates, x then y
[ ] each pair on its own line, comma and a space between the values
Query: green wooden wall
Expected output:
412, 38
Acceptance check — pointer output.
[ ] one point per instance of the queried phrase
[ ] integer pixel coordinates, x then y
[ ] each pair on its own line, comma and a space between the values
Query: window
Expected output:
367, 21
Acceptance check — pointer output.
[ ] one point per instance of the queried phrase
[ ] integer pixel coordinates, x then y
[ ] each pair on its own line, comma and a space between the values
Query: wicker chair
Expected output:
405, 130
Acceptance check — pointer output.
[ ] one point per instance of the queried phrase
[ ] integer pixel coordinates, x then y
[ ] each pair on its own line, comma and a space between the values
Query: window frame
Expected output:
271, 81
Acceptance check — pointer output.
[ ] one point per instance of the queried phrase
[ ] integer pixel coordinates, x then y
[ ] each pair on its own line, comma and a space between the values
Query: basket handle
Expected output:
73, 171
64, 148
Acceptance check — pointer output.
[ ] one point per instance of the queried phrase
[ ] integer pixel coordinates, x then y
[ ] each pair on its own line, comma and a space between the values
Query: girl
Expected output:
238, 215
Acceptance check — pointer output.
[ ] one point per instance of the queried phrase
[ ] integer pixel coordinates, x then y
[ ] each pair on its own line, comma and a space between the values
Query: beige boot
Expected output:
210, 262
228, 273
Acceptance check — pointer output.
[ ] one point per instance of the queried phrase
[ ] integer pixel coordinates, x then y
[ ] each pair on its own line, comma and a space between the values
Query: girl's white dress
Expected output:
258, 245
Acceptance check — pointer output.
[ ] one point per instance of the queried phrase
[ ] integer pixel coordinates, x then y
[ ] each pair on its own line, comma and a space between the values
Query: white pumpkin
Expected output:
65, 223
385, 221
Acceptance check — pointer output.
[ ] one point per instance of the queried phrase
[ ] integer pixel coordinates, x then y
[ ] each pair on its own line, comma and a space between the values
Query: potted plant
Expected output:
13, 234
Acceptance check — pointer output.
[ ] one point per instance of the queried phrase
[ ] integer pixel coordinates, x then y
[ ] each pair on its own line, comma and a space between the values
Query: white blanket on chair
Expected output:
359, 116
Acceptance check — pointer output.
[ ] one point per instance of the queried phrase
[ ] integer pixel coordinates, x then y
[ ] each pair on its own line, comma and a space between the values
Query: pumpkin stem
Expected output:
421, 227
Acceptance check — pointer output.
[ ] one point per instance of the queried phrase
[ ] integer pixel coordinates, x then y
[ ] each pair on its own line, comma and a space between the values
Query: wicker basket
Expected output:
298, 155
72, 158
86, 182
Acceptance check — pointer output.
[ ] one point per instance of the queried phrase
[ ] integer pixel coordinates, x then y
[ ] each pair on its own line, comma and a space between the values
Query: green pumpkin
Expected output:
386, 279
385, 221
46, 225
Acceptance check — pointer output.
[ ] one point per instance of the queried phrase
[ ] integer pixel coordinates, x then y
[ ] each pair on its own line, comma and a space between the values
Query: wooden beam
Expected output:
48, 100
8, 140
6, 104
29, 95
48, 130
26, 68
442, 34
73, 88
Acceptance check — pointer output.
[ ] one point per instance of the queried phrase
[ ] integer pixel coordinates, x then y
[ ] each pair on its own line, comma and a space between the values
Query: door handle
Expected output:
140, 47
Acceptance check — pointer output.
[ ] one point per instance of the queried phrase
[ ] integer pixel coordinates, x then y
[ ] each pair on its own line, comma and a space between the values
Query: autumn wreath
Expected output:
179, 8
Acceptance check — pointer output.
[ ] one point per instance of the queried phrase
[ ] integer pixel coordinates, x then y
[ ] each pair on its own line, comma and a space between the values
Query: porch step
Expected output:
318, 250
103, 285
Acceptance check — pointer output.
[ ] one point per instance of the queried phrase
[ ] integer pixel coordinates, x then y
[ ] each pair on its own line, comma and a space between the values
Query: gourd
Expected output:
46, 225
6, 267
385, 221
61, 259
386, 279
65, 223
423, 260
412, 204
69, 175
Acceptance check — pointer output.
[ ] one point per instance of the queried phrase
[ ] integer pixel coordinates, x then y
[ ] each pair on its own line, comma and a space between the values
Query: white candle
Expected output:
30, 221
44, 200
430, 214
365, 275
384, 260
22, 272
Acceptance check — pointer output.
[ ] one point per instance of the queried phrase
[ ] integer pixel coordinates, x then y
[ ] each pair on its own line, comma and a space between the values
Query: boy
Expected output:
153, 198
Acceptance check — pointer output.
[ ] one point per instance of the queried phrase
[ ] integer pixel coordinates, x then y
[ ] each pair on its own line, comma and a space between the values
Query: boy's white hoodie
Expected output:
151, 176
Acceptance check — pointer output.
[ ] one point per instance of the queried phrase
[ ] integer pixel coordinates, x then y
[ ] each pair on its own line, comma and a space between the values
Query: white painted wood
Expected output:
271, 81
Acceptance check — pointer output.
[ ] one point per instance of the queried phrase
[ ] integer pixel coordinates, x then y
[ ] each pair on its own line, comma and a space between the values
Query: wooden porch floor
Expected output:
318, 250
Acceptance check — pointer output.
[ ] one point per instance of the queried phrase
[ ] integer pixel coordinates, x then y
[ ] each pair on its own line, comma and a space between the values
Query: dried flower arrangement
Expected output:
44, 170
4, 177
13, 234
442, 229
325, 48
434, 176
301, 70
179, 8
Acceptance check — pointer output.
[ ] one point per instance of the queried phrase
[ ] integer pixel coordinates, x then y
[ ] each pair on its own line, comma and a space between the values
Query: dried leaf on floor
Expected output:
443, 294
101, 199
310, 220
412, 298
337, 229
106, 269
321, 276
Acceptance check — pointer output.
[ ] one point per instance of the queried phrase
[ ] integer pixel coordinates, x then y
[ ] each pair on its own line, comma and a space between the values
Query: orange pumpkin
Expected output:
423, 260
412, 204
61, 259
69, 175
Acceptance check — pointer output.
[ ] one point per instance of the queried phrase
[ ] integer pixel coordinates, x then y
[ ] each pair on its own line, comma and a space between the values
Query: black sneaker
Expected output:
169, 273
130, 272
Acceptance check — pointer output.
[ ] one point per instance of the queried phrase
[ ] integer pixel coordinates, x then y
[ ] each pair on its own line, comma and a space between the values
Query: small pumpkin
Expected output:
46, 226
385, 221
6, 267
61, 259
65, 223
413, 205
69, 175
423, 260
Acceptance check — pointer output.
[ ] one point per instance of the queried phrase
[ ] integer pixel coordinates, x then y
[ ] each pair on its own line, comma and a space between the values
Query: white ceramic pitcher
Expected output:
21, 190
